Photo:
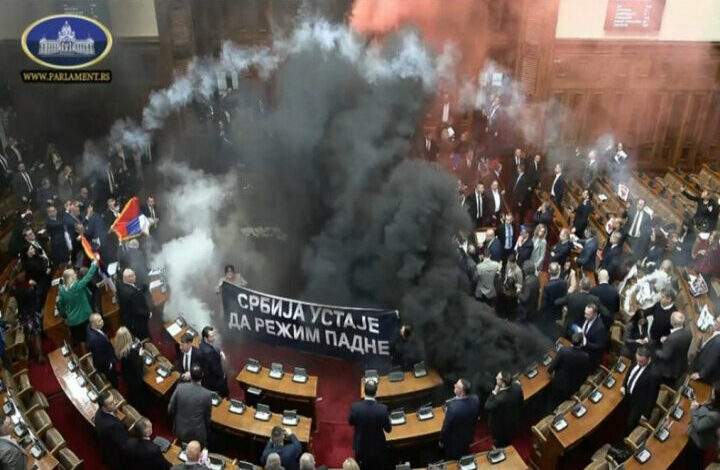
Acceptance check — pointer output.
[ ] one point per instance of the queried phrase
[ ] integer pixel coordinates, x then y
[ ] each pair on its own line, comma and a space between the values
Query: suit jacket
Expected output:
496, 249
424, 152
596, 341
570, 367
643, 397
590, 174
459, 426
505, 411
609, 297
289, 453
371, 421
576, 303
544, 218
703, 425
582, 215
500, 233
705, 214
12, 456
586, 260
672, 358
558, 187
611, 259
707, 361
524, 251
133, 305
486, 272
554, 290
113, 436
534, 175
20, 187
645, 222
561, 252
102, 350
213, 373
521, 190
196, 357
528, 296
144, 453
472, 208
492, 206
661, 321
190, 407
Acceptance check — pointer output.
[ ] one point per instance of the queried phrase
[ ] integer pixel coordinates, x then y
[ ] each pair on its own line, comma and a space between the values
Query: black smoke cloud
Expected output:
366, 225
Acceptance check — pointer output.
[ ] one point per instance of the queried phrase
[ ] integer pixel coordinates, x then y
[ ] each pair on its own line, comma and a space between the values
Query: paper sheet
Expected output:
174, 329
155, 284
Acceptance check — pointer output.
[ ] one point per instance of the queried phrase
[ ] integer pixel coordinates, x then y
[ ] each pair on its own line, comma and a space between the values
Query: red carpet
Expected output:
337, 389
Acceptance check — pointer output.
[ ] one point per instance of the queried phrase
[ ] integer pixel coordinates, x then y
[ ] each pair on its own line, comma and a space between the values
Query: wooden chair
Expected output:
583, 392
152, 349
131, 416
87, 365
666, 397
100, 383
40, 421
24, 387
637, 437
34, 400
652, 422
598, 377
565, 407
119, 399
68, 460
601, 454
598, 465
539, 437
15, 348
54, 441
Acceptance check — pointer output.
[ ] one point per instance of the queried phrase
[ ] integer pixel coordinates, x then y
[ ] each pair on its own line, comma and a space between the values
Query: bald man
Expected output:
101, 348
134, 308
193, 452
672, 357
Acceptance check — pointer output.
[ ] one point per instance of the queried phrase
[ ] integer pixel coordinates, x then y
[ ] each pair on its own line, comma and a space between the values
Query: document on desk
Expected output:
155, 284
159, 379
174, 329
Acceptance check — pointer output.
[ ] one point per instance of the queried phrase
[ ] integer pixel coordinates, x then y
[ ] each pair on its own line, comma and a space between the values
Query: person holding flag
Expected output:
74, 302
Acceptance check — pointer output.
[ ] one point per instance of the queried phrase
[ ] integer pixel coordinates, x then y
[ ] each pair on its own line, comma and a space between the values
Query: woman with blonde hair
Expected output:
132, 370
350, 464
539, 247
73, 303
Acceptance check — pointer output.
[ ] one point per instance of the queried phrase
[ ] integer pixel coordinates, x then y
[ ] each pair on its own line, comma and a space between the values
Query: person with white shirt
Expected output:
640, 388
22, 184
591, 170
12, 456
557, 188
595, 335
706, 366
189, 356
495, 199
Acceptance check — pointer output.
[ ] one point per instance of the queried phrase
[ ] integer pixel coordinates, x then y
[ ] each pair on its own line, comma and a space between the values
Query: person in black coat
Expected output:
608, 295
188, 356
460, 419
612, 255
529, 293
636, 334
544, 215
661, 312
477, 206
569, 368
103, 354
134, 309
23, 185
507, 235
214, 378
672, 358
596, 335
576, 303
59, 238
112, 433
142, 452
132, 369
582, 214
586, 259
557, 187
371, 421
521, 191
524, 247
640, 388
494, 246
706, 366
706, 214
638, 227
560, 253
556, 288
504, 408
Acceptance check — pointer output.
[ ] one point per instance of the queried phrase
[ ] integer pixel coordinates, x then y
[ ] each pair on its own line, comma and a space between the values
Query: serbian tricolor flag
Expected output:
87, 247
131, 222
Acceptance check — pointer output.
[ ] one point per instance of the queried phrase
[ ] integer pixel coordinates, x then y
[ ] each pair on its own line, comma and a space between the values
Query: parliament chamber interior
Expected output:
360, 234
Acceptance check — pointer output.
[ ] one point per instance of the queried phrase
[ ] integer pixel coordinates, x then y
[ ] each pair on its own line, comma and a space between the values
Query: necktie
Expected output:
111, 180
187, 362
508, 237
478, 203
427, 144
26, 177
586, 327
4, 163
634, 376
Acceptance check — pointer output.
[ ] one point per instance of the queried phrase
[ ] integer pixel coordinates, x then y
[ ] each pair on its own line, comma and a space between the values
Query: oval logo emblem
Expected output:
66, 41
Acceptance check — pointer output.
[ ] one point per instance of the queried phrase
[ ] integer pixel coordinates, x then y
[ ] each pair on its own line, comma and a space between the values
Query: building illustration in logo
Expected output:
66, 44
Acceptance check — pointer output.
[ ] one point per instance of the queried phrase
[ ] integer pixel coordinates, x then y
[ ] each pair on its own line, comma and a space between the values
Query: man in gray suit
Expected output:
486, 269
12, 456
672, 358
190, 407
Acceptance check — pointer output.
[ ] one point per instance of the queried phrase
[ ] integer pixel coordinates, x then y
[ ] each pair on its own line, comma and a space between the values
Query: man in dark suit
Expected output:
560, 253
190, 408
556, 288
143, 452
528, 293
14, 153
494, 246
582, 214
661, 312
495, 201
569, 368
504, 408
134, 309
640, 388
523, 247
150, 211
112, 433
612, 255
506, 234
706, 366
22, 184
608, 295
521, 191
706, 214
595, 335
586, 259
103, 354
213, 374
557, 188
371, 421
427, 147
189, 356
639, 225
576, 303
284, 443
534, 170
672, 358
460, 418
477, 206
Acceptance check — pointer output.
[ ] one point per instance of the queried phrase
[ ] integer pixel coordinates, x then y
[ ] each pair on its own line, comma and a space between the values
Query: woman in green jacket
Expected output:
73, 303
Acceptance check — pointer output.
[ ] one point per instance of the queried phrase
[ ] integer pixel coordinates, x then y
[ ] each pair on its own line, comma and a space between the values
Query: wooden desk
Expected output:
157, 295
246, 424
47, 461
512, 461
537, 384
163, 387
178, 336
579, 428
76, 393
410, 386
284, 387
665, 453
173, 452
415, 431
